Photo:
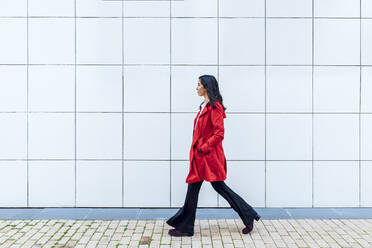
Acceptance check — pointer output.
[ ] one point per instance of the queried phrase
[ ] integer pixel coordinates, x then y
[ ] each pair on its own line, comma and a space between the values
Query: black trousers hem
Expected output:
184, 219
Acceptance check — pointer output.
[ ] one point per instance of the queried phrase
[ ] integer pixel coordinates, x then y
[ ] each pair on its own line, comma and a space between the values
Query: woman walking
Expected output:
208, 162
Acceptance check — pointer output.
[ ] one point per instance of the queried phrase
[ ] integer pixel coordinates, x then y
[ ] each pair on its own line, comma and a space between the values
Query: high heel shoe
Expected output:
177, 233
249, 227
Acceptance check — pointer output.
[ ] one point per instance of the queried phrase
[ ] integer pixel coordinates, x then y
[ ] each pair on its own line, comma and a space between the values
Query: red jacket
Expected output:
210, 165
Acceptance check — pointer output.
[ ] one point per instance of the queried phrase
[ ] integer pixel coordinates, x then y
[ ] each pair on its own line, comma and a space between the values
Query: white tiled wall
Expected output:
97, 101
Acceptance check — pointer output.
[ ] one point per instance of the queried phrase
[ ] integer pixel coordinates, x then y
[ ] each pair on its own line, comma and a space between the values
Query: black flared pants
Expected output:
184, 219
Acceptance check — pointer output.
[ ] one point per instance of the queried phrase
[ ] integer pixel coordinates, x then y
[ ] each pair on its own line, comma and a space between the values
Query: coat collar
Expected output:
207, 108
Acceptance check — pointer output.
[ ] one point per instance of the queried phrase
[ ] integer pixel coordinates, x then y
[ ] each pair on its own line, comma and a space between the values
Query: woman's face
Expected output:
200, 89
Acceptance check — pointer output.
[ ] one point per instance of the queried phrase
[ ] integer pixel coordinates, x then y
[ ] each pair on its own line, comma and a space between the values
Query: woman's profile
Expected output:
208, 162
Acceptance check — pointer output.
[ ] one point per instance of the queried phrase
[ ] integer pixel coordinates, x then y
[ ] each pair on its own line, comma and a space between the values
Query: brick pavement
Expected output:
208, 233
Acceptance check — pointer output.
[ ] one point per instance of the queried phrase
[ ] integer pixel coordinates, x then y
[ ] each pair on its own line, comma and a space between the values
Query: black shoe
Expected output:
257, 218
249, 227
176, 233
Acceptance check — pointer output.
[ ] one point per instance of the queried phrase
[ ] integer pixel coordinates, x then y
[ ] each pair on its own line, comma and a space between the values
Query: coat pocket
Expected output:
211, 157
198, 142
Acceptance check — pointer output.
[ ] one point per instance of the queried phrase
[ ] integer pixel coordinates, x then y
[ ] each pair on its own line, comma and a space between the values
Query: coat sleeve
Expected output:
218, 129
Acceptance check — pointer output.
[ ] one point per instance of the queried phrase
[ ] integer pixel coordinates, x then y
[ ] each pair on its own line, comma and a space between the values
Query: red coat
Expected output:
210, 165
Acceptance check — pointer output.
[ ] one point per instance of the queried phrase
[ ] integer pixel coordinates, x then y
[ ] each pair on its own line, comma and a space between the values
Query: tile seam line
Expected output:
218, 66
28, 62
360, 103
170, 103
122, 108
75, 115
190, 17
265, 110
312, 103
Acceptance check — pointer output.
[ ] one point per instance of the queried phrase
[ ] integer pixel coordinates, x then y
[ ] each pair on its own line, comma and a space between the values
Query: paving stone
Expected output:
315, 233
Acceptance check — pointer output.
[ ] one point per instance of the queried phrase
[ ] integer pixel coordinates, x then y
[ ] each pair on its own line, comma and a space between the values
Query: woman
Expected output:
208, 162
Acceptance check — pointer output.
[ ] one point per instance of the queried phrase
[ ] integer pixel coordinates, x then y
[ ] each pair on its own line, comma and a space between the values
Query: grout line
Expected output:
170, 103
189, 17
312, 104
178, 112
182, 65
139, 159
218, 65
122, 104
27, 96
265, 202
75, 67
360, 102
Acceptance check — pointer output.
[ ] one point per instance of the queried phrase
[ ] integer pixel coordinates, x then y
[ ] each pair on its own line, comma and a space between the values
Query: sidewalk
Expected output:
121, 227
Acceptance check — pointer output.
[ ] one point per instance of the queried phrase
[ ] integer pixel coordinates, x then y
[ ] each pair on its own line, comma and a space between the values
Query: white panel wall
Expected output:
97, 101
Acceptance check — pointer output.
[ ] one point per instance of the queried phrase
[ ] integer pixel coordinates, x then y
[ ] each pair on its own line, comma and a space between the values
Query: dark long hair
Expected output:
211, 85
